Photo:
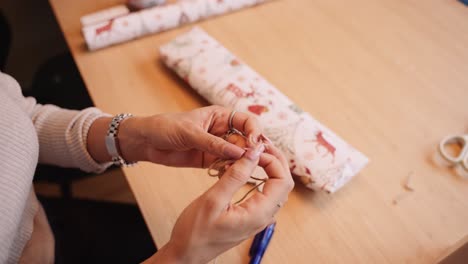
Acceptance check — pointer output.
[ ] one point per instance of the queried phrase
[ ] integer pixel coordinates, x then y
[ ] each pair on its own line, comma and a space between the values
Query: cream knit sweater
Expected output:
32, 133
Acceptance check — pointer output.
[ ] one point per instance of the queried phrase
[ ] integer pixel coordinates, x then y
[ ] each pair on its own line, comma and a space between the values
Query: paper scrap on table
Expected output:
321, 159
157, 19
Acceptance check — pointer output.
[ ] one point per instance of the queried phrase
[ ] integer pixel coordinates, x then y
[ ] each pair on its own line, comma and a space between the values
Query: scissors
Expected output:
453, 159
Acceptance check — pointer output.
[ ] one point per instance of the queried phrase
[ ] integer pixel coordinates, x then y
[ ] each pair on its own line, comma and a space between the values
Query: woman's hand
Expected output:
190, 139
211, 224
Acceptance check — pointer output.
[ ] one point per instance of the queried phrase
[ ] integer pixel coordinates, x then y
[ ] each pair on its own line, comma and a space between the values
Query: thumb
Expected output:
237, 175
214, 145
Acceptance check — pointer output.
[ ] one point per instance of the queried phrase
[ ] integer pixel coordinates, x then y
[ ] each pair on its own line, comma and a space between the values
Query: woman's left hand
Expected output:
189, 139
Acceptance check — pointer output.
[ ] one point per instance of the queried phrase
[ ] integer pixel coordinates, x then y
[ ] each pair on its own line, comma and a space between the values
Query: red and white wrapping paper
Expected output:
157, 19
321, 159
104, 15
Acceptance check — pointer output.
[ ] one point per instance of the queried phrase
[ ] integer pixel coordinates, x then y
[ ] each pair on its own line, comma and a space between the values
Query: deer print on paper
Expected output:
239, 93
106, 28
322, 142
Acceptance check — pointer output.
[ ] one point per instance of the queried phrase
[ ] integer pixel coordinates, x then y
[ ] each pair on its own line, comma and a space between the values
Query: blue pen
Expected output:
258, 237
262, 244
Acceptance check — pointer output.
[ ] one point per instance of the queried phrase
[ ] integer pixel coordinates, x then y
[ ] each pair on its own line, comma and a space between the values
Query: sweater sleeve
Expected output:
62, 133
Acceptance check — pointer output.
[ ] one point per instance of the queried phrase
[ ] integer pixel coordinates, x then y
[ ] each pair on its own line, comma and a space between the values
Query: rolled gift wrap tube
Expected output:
160, 18
116, 30
321, 159
104, 15
142, 4
170, 16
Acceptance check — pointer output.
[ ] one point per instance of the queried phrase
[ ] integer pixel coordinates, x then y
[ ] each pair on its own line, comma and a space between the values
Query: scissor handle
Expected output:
462, 157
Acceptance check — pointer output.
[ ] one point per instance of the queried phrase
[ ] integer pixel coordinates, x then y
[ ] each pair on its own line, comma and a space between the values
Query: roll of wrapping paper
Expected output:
142, 4
157, 19
104, 15
321, 159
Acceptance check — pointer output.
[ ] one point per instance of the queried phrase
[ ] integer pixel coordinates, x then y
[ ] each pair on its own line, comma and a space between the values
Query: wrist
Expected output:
132, 143
167, 254
95, 142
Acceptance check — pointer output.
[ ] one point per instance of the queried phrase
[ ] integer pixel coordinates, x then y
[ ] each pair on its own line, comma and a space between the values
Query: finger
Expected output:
275, 192
237, 140
201, 140
237, 175
280, 181
248, 124
273, 150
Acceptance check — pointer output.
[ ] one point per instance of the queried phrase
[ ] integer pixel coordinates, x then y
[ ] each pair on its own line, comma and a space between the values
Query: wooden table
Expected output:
388, 76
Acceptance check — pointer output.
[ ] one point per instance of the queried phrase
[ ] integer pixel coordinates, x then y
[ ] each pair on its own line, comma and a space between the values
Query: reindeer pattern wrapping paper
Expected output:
157, 19
321, 159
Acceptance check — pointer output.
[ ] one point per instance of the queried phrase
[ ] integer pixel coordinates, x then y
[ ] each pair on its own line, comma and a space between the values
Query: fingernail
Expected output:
233, 151
255, 152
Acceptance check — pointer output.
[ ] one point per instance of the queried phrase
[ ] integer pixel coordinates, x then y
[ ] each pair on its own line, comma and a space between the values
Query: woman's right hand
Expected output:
211, 224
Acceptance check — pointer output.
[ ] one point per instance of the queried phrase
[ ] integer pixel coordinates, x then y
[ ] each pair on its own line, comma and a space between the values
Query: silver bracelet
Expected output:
112, 140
